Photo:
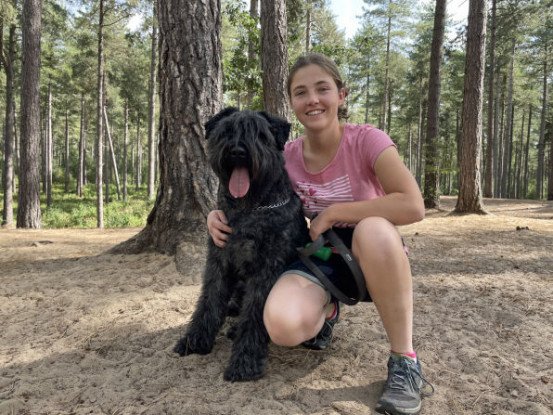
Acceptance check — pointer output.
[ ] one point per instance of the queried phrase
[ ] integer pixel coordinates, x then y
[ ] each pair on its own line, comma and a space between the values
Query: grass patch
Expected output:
70, 211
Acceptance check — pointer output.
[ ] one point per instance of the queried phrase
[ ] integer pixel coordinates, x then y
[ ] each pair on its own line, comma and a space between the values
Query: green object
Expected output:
324, 252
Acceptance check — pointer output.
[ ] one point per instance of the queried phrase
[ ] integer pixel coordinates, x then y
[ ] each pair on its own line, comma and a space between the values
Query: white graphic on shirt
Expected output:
317, 197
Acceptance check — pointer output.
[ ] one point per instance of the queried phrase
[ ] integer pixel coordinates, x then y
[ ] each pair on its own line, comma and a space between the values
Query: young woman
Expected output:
351, 178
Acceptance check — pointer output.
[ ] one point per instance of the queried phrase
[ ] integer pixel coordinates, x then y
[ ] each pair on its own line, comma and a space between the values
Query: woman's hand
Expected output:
321, 223
217, 226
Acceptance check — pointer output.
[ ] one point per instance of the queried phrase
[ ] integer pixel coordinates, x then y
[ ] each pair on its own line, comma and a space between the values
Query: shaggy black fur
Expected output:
268, 224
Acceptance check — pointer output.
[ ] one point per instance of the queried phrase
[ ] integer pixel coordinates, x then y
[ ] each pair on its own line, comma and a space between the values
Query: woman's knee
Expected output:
290, 316
376, 237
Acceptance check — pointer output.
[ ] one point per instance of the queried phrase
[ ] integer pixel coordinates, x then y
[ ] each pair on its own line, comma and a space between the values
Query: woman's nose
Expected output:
313, 98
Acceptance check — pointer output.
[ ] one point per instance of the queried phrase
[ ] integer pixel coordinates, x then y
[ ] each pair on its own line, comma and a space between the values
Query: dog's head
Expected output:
245, 148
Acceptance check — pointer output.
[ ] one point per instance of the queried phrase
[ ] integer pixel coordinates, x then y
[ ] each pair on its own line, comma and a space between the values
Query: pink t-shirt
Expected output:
348, 177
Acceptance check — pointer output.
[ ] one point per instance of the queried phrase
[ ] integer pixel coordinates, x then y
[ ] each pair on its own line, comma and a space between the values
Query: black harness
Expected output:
330, 237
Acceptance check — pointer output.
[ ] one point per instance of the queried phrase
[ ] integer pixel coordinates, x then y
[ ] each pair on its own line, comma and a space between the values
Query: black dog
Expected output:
245, 151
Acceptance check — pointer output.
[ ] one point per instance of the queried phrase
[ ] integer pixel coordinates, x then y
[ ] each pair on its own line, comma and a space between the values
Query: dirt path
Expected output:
88, 333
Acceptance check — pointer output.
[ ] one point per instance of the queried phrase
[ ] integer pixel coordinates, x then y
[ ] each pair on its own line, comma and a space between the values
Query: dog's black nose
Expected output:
237, 152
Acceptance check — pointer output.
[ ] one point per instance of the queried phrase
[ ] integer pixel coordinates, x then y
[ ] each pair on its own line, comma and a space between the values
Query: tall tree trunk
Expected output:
252, 52
385, 95
508, 136
100, 122
308, 14
125, 149
367, 97
550, 177
432, 161
525, 175
501, 138
488, 178
189, 45
138, 166
470, 191
8, 60
80, 168
112, 154
28, 212
49, 148
66, 176
151, 113
541, 143
274, 57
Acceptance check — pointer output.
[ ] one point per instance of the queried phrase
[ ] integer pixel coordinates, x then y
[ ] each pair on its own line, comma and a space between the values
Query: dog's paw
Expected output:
244, 369
190, 344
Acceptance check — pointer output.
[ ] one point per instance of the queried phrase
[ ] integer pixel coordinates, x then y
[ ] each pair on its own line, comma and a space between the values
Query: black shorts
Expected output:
335, 269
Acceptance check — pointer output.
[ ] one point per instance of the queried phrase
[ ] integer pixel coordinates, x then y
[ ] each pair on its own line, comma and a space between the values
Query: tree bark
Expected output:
470, 191
49, 149
432, 161
541, 143
67, 154
8, 60
550, 177
151, 112
100, 122
112, 154
508, 132
138, 161
385, 95
252, 52
80, 169
191, 92
274, 57
526, 153
125, 149
28, 212
488, 178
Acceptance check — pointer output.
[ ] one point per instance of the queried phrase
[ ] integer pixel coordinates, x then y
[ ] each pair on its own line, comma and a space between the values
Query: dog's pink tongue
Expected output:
239, 183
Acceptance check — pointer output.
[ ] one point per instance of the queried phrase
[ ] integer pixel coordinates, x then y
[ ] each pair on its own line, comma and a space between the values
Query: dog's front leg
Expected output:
250, 347
211, 309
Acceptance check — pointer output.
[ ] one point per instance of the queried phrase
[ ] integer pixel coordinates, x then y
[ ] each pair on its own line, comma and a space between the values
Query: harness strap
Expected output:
331, 237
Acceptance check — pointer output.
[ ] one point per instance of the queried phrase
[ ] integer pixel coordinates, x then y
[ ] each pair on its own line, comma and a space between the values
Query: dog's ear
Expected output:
213, 121
280, 128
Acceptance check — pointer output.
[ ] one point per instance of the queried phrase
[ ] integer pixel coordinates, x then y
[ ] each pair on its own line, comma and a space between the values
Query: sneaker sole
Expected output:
398, 411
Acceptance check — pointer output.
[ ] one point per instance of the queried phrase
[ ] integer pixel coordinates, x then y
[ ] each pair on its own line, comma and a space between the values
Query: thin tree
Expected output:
99, 121
189, 45
125, 148
82, 144
470, 190
432, 162
252, 52
8, 60
67, 154
550, 177
488, 177
151, 111
28, 212
48, 148
274, 57
540, 172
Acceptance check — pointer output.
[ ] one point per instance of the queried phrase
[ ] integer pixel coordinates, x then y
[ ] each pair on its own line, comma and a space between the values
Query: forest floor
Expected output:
85, 332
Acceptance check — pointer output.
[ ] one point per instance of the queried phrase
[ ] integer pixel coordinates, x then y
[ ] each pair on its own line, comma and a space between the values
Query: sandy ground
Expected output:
84, 332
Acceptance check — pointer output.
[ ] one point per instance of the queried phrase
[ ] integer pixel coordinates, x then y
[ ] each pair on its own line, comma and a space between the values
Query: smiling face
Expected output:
315, 98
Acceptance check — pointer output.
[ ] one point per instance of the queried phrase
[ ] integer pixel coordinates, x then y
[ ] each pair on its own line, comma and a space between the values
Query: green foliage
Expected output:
69, 65
70, 211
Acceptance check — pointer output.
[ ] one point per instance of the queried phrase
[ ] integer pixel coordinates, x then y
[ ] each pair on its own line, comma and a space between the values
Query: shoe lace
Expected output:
404, 374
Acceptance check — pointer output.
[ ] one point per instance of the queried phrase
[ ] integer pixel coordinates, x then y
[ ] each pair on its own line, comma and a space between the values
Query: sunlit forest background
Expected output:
385, 65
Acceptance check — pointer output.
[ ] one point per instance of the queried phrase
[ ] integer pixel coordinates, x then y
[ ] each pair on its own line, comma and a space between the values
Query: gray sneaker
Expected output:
402, 391
322, 340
